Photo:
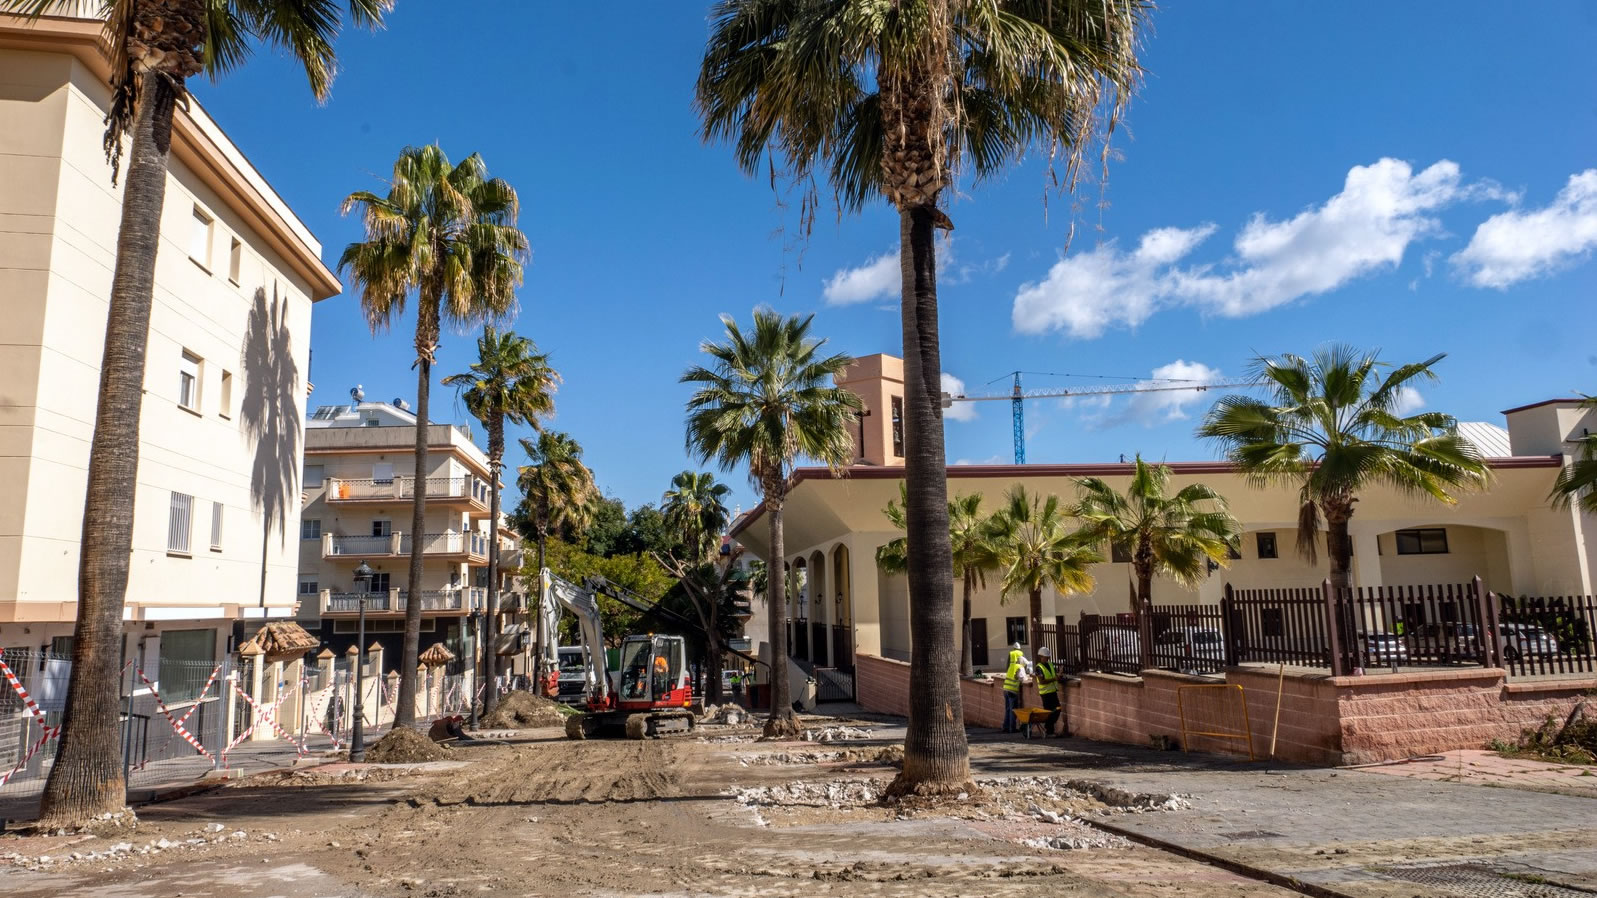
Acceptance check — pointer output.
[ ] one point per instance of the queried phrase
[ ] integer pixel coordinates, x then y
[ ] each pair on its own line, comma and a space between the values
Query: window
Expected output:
1266, 544
382, 472
188, 381
313, 476
1014, 631
1271, 622
310, 528
226, 398
382, 527
1428, 541
235, 260
308, 586
978, 642
200, 239
179, 521
216, 526
898, 426
61, 646
1119, 552
379, 583
187, 659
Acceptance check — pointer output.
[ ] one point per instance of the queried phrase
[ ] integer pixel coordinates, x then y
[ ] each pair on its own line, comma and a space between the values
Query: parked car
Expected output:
573, 674
1118, 645
1520, 640
1382, 648
1195, 643
1447, 641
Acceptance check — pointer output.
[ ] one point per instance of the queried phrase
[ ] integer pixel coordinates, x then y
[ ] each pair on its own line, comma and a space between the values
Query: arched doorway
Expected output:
820, 609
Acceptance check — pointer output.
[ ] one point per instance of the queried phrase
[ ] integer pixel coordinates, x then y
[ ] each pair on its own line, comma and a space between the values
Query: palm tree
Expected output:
1577, 483
1036, 551
510, 381
153, 48
970, 538
1171, 535
766, 400
695, 507
1333, 428
446, 233
891, 100
559, 492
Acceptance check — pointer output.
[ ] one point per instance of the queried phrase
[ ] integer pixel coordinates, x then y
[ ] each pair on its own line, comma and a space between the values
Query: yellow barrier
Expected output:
1214, 708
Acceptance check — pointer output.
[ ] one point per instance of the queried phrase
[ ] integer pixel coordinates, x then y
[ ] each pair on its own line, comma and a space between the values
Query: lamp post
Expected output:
357, 733
476, 653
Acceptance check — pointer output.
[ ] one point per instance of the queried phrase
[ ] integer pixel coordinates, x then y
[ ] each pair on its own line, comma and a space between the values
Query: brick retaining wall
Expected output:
1323, 719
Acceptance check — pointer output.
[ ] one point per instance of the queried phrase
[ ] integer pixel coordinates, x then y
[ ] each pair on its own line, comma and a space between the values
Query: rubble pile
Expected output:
836, 794
731, 715
403, 745
523, 709
887, 754
834, 734
212, 834
1081, 837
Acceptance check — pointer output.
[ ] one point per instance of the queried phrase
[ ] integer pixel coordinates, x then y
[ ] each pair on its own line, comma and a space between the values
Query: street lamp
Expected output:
357, 733
476, 653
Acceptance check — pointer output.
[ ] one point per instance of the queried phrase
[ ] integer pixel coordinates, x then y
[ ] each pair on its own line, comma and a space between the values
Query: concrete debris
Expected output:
214, 827
887, 754
728, 739
834, 734
1055, 788
837, 794
1081, 837
731, 715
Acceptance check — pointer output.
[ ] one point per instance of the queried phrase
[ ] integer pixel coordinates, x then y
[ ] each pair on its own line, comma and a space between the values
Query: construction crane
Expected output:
1017, 396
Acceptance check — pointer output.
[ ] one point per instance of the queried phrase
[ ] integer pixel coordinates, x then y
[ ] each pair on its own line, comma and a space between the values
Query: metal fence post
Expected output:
1491, 645
1228, 636
1333, 620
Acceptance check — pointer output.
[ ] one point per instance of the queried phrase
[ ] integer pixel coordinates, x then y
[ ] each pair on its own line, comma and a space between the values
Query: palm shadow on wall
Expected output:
269, 417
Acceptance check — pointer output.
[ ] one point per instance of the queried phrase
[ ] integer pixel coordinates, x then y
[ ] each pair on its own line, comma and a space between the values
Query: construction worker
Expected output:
737, 687
662, 676
1015, 674
1048, 687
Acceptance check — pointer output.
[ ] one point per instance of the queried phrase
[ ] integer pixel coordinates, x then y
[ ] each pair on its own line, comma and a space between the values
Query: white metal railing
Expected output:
341, 489
449, 542
446, 599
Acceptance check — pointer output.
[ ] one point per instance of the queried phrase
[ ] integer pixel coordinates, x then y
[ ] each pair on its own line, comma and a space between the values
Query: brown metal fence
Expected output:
1540, 636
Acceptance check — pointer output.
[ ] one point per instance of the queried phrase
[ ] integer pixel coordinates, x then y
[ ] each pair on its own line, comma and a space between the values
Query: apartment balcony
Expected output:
470, 493
448, 602
451, 545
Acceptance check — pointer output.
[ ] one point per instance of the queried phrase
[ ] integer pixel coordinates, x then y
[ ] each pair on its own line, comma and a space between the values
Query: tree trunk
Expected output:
86, 779
490, 663
1339, 546
1034, 623
1143, 614
781, 724
966, 669
936, 754
405, 709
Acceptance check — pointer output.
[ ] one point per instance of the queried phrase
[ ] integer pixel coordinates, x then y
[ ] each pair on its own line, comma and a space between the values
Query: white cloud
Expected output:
989, 460
1408, 401
1368, 226
959, 411
1150, 408
1516, 245
877, 278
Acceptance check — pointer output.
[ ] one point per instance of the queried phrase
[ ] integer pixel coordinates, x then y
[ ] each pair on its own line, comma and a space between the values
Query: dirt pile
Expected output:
834, 734
523, 709
1571, 740
404, 745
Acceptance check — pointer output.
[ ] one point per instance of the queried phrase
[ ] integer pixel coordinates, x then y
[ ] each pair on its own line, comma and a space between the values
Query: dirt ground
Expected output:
711, 813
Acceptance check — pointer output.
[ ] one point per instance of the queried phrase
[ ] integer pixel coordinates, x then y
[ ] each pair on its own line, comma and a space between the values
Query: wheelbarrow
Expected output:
1031, 718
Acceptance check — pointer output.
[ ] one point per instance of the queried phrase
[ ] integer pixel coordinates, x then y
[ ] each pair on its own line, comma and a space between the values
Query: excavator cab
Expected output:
653, 673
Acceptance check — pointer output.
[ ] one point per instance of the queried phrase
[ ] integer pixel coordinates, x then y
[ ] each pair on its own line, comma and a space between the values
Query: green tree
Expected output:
153, 49
606, 531
766, 400
447, 234
893, 99
558, 492
694, 510
1577, 483
1036, 551
970, 539
511, 381
1332, 427
1171, 535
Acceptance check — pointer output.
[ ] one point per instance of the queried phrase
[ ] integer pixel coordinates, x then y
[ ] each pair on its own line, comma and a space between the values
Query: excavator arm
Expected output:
561, 595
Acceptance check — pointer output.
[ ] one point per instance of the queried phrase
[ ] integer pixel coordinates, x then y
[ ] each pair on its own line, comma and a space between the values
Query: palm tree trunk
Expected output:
936, 755
490, 663
1143, 614
966, 668
781, 724
1339, 546
86, 779
405, 710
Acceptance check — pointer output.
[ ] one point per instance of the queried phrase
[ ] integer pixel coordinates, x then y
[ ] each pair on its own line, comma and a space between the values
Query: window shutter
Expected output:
216, 525
177, 528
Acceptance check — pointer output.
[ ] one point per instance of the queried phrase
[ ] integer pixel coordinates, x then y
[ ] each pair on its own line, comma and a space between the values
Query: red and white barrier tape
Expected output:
49, 731
177, 725
263, 714
318, 712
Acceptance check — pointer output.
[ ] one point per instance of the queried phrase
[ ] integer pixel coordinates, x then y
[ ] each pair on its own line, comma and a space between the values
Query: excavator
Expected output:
651, 694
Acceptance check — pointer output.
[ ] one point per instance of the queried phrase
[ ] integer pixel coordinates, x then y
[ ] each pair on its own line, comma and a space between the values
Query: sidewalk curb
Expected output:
1237, 867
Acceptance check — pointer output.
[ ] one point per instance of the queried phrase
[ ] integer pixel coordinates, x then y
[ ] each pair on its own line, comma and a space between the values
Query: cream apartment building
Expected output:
218, 498
359, 482
1508, 534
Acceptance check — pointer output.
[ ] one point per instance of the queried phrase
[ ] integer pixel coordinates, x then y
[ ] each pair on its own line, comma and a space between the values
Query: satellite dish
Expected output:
358, 393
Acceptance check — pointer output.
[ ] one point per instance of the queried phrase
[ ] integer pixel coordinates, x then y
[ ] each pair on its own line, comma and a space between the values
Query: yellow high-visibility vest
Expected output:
1045, 678
1012, 675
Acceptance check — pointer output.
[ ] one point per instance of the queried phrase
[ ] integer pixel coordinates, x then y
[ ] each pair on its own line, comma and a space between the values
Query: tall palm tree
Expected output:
1038, 551
695, 507
766, 400
1332, 427
892, 100
1173, 535
511, 381
1577, 483
559, 492
154, 48
446, 233
970, 538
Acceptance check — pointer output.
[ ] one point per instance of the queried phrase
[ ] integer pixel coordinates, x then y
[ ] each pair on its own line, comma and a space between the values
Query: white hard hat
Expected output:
1017, 647
1044, 652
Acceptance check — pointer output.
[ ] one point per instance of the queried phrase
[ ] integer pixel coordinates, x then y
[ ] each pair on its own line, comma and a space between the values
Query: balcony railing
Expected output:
341, 489
450, 542
459, 598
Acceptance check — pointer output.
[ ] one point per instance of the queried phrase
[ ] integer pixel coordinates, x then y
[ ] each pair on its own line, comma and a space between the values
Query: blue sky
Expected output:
1403, 176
